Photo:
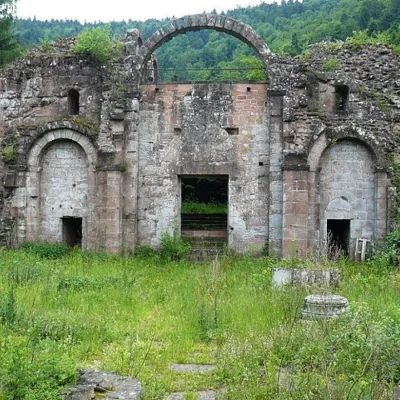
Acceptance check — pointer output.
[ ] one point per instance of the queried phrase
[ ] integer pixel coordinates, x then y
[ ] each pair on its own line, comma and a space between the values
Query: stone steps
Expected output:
201, 395
204, 254
206, 394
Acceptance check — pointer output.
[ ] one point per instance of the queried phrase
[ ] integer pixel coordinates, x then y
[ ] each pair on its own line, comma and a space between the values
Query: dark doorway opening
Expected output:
204, 210
338, 234
72, 231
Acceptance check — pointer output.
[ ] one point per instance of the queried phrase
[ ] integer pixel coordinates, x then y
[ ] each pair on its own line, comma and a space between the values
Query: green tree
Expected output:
8, 45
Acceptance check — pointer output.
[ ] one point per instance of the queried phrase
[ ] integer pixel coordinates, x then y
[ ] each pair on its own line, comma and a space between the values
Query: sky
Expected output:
100, 10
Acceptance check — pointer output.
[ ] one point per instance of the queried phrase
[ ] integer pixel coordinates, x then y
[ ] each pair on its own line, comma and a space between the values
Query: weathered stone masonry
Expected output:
104, 146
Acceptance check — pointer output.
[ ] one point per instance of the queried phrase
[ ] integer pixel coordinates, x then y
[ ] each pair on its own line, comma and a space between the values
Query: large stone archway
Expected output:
190, 23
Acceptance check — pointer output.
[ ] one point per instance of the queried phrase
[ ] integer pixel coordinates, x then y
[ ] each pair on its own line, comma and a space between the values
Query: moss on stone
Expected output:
382, 102
92, 127
9, 153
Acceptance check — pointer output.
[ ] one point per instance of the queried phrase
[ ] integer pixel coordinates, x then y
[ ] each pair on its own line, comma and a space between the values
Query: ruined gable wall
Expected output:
182, 132
313, 121
372, 75
33, 98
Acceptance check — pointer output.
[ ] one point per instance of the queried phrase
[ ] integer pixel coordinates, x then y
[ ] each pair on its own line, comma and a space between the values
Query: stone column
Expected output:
381, 204
313, 212
109, 210
89, 223
295, 213
275, 172
33, 204
130, 176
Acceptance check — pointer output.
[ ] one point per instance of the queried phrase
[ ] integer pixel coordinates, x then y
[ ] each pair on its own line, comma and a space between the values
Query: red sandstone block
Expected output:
301, 208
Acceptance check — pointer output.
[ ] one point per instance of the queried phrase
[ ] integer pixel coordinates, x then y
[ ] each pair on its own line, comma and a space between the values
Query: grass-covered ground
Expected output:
196, 207
136, 316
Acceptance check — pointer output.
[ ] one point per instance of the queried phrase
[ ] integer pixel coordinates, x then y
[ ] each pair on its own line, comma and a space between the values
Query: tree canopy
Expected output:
288, 28
8, 44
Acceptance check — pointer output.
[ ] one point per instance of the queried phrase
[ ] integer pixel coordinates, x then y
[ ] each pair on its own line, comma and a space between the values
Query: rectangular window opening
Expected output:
338, 237
204, 210
72, 231
232, 130
342, 97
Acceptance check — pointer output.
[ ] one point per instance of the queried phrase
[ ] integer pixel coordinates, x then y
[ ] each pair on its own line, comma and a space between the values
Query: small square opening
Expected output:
232, 130
338, 234
72, 231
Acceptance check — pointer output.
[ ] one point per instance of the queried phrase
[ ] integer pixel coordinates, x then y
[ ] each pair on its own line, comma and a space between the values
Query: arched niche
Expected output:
346, 196
61, 187
150, 74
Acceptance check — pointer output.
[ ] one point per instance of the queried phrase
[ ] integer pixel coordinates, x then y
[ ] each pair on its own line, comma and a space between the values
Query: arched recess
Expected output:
221, 23
347, 188
326, 137
150, 73
61, 185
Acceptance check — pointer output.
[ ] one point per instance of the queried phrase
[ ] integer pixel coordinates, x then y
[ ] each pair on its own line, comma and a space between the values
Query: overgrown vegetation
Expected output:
9, 153
50, 251
331, 64
195, 207
173, 247
97, 43
137, 315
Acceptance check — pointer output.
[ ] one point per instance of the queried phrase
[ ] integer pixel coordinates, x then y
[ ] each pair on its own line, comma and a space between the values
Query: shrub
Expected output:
97, 43
330, 64
33, 371
362, 38
392, 247
174, 247
145, 252
387, 256
49, 251
8, 153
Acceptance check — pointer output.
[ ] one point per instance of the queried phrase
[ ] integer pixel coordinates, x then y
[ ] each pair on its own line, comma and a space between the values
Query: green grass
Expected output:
194, 207
136, 316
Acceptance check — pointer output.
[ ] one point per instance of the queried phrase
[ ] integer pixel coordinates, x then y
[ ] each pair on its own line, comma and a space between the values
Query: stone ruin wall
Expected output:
185, 130
285, 157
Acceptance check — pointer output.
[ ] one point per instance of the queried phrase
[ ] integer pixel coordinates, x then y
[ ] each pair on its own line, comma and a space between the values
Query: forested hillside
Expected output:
287, 28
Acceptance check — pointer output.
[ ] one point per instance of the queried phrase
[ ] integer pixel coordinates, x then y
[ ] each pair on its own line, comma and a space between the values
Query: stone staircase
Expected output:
207, 233
191, 369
